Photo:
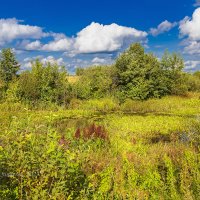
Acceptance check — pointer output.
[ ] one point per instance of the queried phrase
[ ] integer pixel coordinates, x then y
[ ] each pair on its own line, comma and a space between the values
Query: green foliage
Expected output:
193, 81
171, 179
95, 82
102, 105
172, 66
144, 156
79, 71
99, 148
8, 65
168, 104
2, 89
139, 75
136, 75
11, 95
197, 74
38, 166
44, 83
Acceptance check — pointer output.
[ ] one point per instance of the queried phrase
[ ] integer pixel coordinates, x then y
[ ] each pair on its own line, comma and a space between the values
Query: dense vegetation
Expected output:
126, 131
135, 75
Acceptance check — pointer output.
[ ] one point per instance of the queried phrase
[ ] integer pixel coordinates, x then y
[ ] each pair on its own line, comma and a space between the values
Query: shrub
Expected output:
95, 82
44, 83
91, 132
38, 166
138, 75
102, 105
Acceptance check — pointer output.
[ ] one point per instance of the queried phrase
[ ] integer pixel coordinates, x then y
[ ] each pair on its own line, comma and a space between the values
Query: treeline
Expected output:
135, 75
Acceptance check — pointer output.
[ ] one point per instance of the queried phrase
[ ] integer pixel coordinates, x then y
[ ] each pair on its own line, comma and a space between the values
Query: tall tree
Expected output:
95, 82
138, 74
9, 65
44, 83
172, 66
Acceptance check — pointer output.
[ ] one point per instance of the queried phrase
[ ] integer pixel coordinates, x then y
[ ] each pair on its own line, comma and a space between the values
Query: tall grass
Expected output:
96, 151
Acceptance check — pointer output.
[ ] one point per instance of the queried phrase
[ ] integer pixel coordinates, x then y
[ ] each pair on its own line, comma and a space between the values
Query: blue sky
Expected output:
88, 32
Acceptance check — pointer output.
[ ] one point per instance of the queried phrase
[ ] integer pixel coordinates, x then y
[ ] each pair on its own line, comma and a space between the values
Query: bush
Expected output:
102, 105
38, 166
44, 83
141, 76
95, 82
193, 82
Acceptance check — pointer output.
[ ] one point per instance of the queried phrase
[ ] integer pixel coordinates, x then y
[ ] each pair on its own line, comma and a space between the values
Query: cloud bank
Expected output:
11, 29
92, 39
190, 29
106, 38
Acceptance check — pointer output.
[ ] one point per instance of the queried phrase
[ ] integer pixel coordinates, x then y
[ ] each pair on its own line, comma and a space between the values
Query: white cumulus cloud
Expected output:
190, 27
27, 62
58, 44
62, 44
193, 47
105, 38
35, 45
163, 27
98, 60
52, 60
94, 38
11, 29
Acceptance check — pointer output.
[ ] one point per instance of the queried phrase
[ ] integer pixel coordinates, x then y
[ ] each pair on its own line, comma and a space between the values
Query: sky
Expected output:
82, 33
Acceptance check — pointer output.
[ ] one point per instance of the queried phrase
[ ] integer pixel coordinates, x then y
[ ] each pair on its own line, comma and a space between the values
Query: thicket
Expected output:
135, 75
138, 150
55, 155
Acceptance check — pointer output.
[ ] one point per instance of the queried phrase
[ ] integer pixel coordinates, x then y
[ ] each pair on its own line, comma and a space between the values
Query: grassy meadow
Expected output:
101, 149
130, 130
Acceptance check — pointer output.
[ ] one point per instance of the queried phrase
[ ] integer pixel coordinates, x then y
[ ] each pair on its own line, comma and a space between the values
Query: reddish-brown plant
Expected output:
78, 133
91, 132
63, 142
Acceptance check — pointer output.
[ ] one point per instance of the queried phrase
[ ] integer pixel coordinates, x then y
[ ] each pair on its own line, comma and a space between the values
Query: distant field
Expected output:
73, 78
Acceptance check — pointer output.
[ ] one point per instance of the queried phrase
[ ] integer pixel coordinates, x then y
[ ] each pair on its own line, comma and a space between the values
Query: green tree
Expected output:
95, 82
44, 83
9, 66
197, 74
175, 79
138, 74
193, 82
79, 71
